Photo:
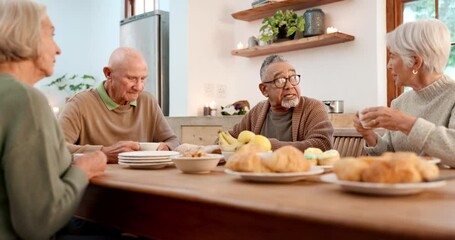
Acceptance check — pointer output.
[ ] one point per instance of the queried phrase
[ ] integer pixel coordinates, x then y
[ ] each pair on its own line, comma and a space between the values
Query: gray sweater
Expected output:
433, 133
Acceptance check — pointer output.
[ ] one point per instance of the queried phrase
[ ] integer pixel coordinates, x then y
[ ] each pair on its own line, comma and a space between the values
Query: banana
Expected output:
227, 142
229, 138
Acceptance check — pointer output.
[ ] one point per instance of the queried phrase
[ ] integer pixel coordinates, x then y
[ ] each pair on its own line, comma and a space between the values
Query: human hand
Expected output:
163, 147
93, 164
119, 147
367, 133
389, 118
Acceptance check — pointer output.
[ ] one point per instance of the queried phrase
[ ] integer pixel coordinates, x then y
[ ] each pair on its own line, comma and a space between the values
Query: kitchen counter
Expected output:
202, 130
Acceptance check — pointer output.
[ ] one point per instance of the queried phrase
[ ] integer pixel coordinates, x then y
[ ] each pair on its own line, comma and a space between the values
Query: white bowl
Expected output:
196, 164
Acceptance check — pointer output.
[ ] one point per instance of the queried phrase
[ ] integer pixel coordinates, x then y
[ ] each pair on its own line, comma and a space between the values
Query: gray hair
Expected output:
20, 28
269, 60
429, 39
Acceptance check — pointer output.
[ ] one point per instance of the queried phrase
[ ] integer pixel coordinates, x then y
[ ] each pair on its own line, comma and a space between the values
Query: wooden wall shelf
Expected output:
298, 44
269, 9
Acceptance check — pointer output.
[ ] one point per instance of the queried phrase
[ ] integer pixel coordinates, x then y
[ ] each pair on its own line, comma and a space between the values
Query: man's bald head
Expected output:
123, 55
126, 74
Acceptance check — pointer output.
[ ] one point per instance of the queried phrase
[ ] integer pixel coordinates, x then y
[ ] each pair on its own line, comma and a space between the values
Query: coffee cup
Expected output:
148, 146
362, 119
76, 156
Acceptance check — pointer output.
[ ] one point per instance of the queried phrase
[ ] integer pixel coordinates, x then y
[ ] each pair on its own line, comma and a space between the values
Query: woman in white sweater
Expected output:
421, 120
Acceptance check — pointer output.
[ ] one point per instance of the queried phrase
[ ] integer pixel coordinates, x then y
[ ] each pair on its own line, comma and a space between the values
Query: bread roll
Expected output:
246, 162
350, 169
287, 159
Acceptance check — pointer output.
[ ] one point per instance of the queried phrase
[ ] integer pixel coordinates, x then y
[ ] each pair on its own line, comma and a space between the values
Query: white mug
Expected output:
76, 156
362, 121
149, 146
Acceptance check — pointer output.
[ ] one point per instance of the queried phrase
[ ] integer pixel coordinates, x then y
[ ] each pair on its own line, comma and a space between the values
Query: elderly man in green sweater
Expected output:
286, 118
117, 114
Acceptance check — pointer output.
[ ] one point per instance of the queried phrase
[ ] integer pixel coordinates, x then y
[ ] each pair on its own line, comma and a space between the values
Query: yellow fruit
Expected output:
245, 136
263, 141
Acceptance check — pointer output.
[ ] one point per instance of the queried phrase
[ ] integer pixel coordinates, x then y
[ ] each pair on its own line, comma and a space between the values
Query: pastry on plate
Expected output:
328, 157
287, 159
350, 169
311, 154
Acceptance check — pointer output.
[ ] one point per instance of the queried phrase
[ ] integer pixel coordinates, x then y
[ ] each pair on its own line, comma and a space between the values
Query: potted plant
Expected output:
281, 25
73, 84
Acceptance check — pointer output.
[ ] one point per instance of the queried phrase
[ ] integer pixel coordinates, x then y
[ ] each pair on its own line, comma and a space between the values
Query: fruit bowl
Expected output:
203, 164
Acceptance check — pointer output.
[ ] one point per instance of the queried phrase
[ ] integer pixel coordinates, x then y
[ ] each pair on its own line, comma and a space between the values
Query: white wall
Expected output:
87, 32
354, 71
202, 35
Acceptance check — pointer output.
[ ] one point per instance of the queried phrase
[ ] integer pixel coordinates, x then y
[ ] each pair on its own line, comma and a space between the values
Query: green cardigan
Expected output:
39, 188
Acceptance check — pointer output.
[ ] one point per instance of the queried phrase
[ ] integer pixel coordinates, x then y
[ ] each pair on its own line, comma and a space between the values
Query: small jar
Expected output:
314, 22
252, 42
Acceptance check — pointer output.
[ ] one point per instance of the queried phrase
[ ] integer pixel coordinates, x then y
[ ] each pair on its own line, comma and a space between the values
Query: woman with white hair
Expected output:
40, 188
421, 120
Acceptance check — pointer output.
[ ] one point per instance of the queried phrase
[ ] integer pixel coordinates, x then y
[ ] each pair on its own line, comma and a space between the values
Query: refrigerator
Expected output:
149, 33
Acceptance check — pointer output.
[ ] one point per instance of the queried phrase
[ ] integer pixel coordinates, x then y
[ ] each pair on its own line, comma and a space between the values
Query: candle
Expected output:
331, 30
206, 110
239, 45
55, 110
212, 108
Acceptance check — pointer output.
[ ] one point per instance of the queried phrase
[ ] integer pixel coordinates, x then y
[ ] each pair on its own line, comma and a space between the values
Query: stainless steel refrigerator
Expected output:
149, 33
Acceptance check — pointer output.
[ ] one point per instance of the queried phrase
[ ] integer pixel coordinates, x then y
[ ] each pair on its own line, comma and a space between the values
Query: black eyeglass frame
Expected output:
288, 79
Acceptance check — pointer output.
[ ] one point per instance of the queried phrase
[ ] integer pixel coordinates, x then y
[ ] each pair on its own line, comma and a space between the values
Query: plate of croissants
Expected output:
399, 173
286, 164
276, 177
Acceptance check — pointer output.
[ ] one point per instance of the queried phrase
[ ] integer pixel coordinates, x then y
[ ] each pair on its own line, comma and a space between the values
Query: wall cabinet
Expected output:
291, 45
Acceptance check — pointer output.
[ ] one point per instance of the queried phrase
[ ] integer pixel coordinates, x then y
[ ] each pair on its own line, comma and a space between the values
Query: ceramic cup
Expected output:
76, 156
362, 121
148, 146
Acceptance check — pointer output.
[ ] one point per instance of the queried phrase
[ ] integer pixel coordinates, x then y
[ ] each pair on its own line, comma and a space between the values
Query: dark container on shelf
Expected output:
314, 22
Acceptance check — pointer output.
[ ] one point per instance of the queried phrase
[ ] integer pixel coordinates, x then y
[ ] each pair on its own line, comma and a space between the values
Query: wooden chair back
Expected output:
348, 142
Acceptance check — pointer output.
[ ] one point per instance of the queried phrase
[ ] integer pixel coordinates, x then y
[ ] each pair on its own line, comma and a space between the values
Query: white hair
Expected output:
429, 39
20, 27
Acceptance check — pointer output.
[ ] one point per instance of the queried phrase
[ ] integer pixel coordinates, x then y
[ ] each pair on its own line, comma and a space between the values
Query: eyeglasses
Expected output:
281, 82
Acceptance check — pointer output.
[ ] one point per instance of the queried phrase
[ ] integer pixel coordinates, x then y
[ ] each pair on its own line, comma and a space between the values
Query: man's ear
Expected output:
263, 89
107, 72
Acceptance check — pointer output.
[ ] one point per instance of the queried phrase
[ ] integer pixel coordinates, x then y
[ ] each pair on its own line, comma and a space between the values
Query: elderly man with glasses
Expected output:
286, 118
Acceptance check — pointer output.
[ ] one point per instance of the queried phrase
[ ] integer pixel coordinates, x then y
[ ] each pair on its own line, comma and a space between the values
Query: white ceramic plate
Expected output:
144, 158
147, 166
144, 161
148, 154
208, 156
326, 167
381, 188
276, 177
434, 160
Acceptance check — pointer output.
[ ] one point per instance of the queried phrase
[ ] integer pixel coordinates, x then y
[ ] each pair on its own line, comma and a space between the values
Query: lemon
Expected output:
245, 136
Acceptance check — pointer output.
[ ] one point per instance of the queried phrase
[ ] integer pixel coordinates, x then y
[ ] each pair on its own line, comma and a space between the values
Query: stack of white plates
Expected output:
147, 159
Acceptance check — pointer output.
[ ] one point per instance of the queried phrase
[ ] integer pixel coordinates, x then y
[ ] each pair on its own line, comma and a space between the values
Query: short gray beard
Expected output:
290, 103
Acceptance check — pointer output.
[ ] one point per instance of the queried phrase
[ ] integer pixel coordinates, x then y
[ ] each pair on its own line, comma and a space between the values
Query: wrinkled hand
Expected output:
367, 133
389, 118
163, 147
93, 164
119, 147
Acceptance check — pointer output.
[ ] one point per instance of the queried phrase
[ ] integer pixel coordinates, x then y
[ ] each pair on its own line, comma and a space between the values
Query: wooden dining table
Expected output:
168, 204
